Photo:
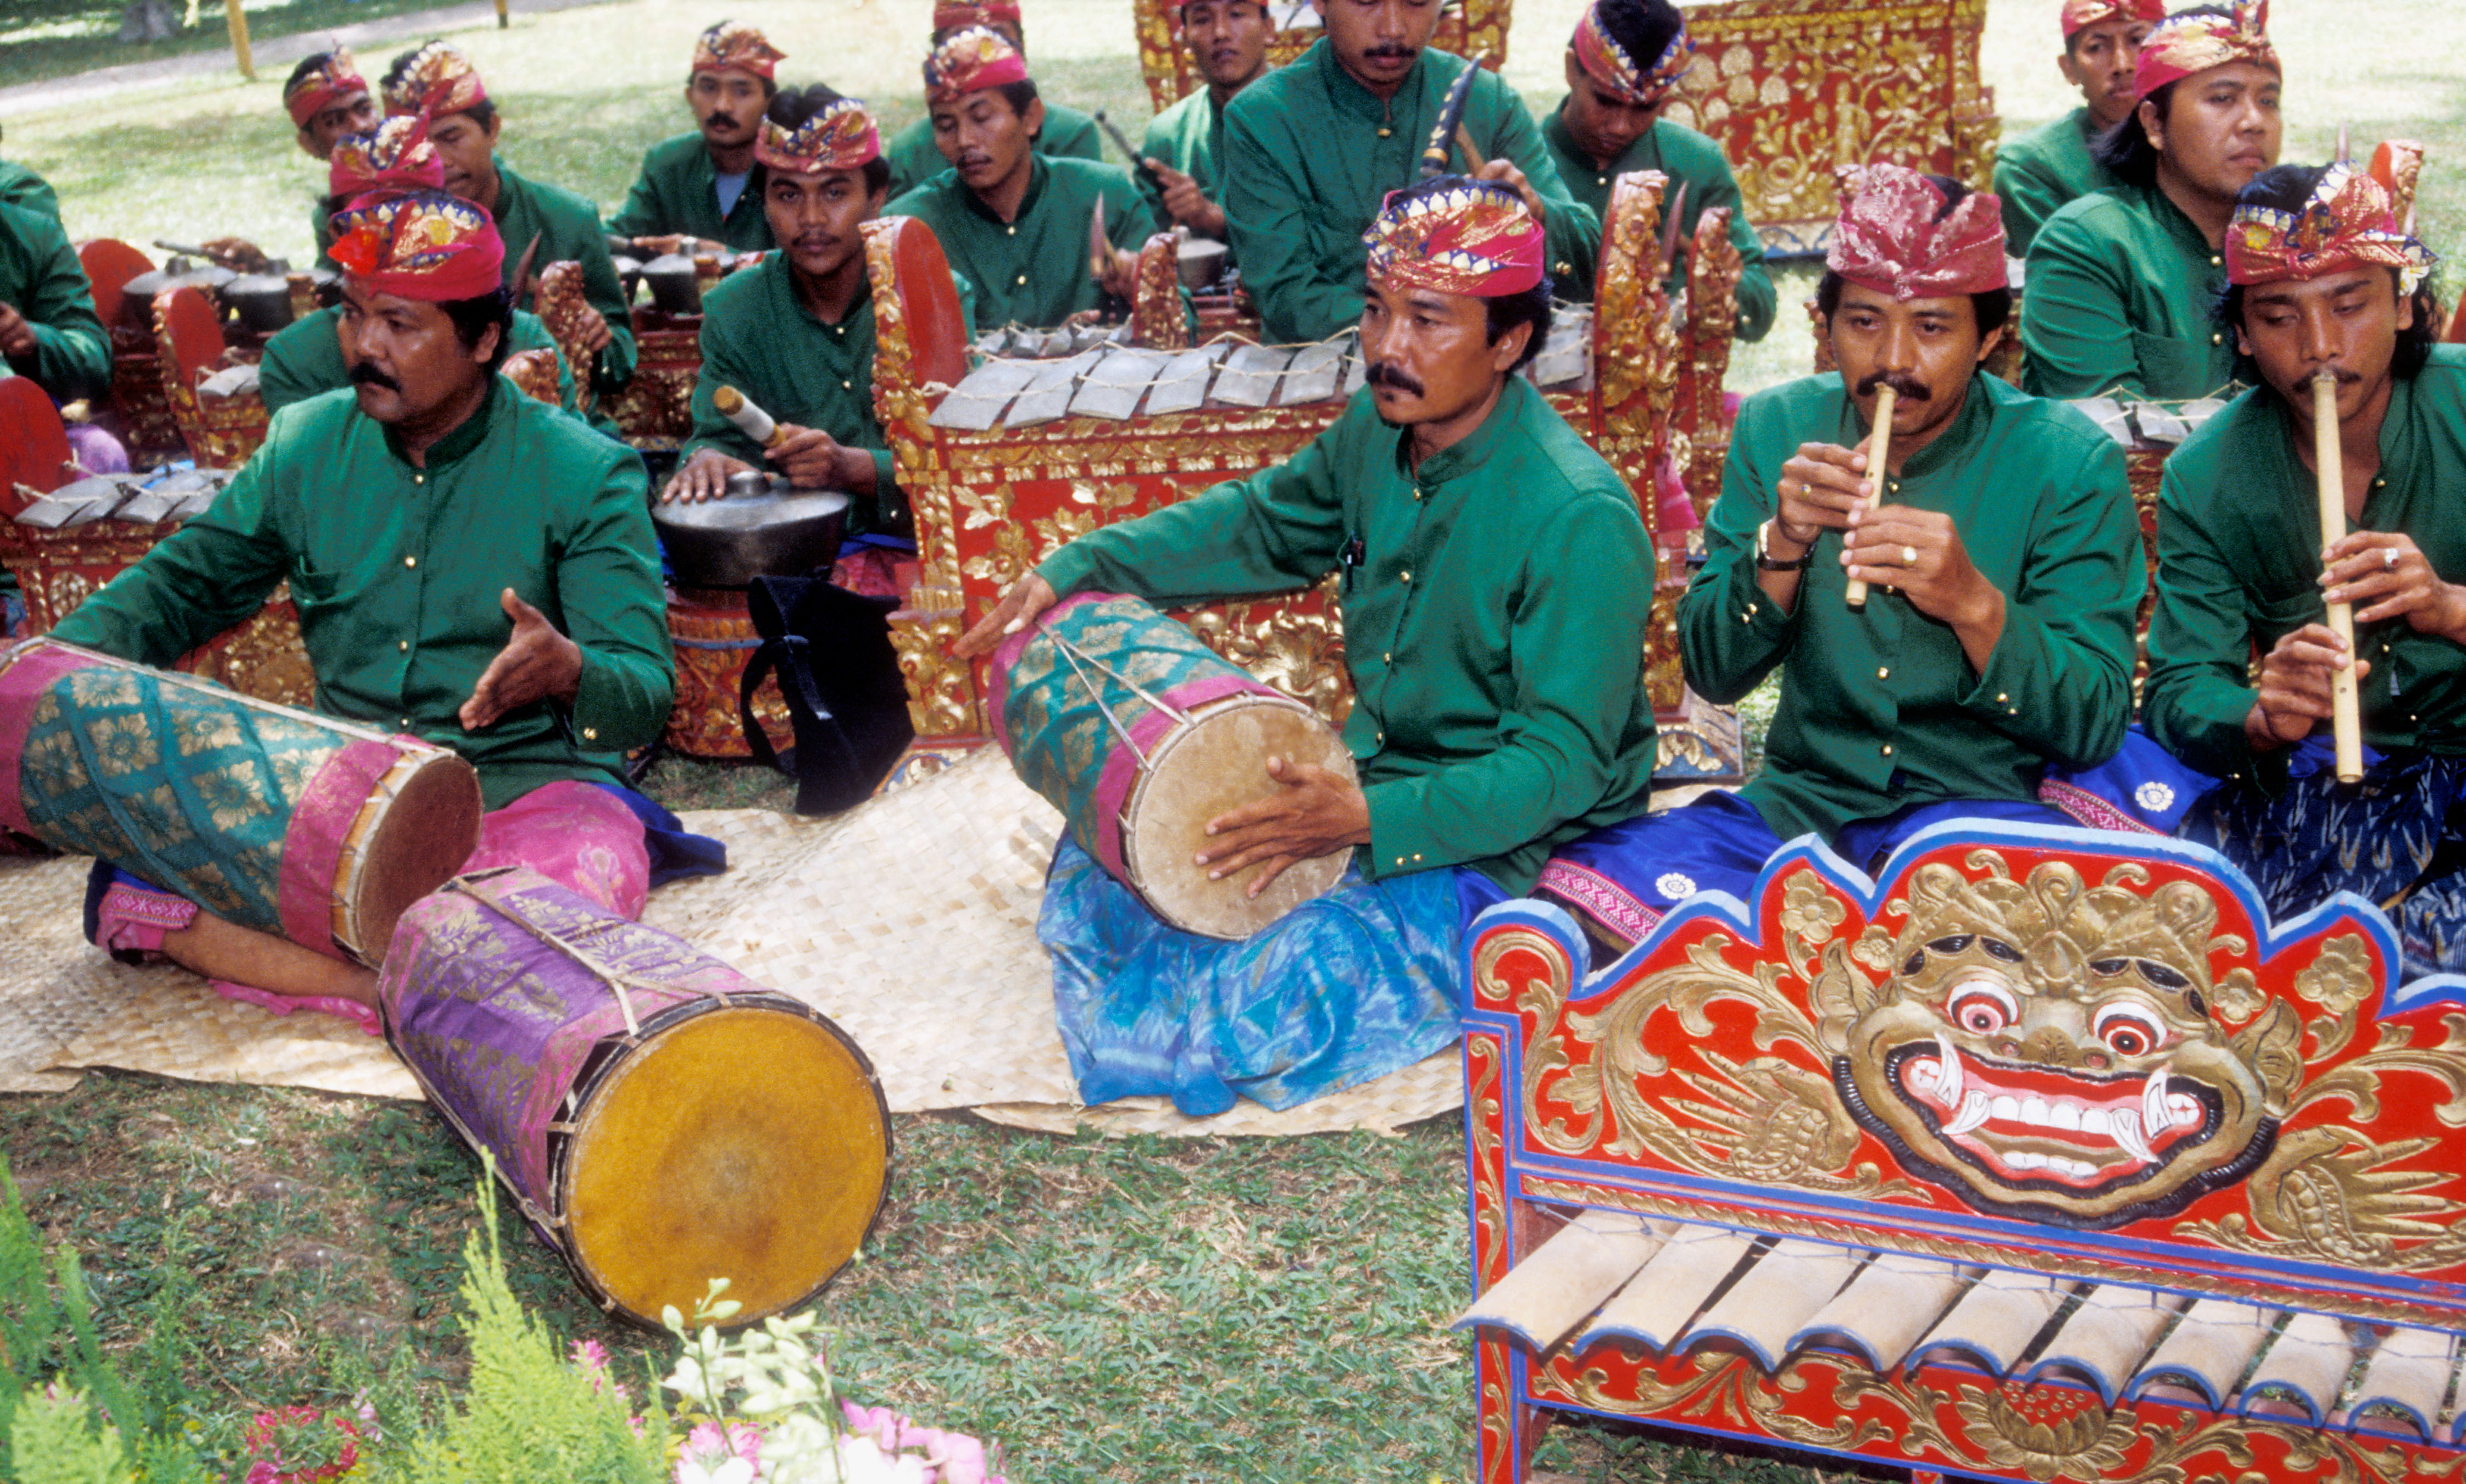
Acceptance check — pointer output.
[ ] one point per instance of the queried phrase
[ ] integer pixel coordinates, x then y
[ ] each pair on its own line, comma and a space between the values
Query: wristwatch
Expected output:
1766, 561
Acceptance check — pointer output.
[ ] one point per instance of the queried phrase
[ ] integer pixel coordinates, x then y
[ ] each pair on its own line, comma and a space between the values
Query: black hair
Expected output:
1992, 306
2289, 188
1503, 313
2125, 150
481, 113
792, 106
307, 64
472, 316
1643, 28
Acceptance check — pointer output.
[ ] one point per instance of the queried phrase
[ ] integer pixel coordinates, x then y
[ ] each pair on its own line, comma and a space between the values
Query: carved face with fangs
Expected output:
2051, 1051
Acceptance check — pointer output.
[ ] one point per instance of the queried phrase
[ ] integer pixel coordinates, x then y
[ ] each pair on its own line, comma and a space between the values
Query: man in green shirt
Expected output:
328, 99
464, 125
1013, 222
2120, 282
1625, 59
20, 186
913, 154
2002, 556
1497, 580
2323, 282
1184, 146
469, 565
795, 332
2043, 170
707, 185
48, 327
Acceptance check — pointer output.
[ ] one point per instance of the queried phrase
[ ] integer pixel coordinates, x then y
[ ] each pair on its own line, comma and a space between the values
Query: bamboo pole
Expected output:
239, 39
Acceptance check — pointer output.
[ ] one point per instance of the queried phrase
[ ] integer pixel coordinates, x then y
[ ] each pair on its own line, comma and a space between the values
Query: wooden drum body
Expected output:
661, 1119
714, 638
1139, 734
275, 819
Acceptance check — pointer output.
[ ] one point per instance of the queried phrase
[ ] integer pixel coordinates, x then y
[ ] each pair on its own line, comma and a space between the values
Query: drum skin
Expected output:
726, 1131
1138, 782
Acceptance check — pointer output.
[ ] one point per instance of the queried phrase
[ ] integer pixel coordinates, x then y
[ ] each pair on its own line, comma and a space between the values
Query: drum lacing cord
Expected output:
616, 980
1078, 657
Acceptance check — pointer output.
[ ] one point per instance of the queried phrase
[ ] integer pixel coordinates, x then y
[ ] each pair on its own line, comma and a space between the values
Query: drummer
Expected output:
469, 565
706, 187
1496, 583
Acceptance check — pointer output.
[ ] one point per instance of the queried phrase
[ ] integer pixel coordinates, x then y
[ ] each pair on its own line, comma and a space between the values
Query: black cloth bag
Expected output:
832, 650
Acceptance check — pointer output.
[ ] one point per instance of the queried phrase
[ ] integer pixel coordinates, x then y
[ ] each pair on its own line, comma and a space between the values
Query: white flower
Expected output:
734, 1470
1674, 884
2154, 797
863, 1462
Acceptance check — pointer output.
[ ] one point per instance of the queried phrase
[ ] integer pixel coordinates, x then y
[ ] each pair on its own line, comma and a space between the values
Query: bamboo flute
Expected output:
2345, 712
1879, 444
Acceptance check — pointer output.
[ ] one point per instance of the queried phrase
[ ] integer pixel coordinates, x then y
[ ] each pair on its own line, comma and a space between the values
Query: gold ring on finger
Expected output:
1909, 556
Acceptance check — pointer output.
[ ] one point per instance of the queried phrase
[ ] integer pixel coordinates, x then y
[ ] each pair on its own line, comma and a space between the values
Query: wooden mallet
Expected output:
751, 420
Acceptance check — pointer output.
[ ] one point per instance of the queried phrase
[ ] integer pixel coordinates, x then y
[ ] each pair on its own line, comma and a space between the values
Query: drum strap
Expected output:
1078, 659
616, 980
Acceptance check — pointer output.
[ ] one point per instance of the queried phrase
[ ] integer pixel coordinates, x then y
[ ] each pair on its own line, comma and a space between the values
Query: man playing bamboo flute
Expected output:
1496, 581
2003, 558
2039, 173
2323, 282
707, 185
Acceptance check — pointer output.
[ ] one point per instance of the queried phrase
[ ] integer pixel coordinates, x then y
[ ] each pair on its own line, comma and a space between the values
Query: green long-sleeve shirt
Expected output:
2038, 173
1190, 137
1032, 270
1683, 155
1310, 156
22, 187
1068, 135
567, 229
2239, 559
305, 357
758, 337
2118, 292
1494, 608
40, 278
1881, 709
678, 190
396, 572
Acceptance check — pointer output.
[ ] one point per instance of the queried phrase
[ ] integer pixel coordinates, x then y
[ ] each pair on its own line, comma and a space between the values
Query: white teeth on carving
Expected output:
2094, 1120
1947, 1075
2035, 1111
2005, 1106
2156, 1115
2185, 1108
2060, 1164
2066, 1116
2126, 1130
1974, 1112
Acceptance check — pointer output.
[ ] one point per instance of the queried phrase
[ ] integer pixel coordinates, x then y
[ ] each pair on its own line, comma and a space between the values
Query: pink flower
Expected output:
949, 1457
590, 1354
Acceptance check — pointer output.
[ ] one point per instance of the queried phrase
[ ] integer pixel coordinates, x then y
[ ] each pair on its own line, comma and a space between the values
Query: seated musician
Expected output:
328, 99
915, 156
2323, 282
2121, 281
21, 186
1014, 223
1496, 585
48, 329
795, 333
1184, 146
1312, 149
706, 187
540, 224
469, 565
1626, 57
2048, 167
2004, 559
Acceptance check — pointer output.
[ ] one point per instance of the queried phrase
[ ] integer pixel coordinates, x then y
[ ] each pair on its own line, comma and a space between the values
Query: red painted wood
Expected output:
33, 446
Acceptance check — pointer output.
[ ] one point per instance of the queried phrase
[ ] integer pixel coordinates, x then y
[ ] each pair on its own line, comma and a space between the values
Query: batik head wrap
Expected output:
952, 14
395, 155
2082, 14
321, 88
733, 46
1465, 237
971, 61
422, 244
1623, 74
2182, 45
439, 79
841, 137
1888, 238
2347, 223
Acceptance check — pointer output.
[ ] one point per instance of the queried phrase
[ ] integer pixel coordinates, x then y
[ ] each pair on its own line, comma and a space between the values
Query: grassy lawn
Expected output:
42, 40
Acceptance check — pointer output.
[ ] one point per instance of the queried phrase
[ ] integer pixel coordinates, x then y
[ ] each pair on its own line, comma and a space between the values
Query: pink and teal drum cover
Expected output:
1050, 715
242, 808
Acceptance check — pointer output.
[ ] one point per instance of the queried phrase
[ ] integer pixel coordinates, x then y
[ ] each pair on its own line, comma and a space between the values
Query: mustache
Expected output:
1389, 49
366, 373
1906, 387
2337, 373
1385, 373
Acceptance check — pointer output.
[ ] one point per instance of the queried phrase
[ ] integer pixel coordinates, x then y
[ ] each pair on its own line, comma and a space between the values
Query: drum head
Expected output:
748, 1143
1219, 762
426, 833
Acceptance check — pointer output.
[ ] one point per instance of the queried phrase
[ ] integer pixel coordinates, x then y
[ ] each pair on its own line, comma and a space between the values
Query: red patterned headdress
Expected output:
1463, 236
439, 79
952, 15
971, 61
733, 46
422, 244
2082, 14
396, 155
2346, 224
2182, 45
1888, 238
842, 137
1613, 67
321, 88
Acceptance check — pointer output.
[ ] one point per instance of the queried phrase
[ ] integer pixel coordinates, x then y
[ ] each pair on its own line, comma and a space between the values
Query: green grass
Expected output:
42, 39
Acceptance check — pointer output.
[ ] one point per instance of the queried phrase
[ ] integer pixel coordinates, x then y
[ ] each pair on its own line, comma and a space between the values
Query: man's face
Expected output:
2100, 60
1924, 348
984, 139
726, 106
406, 362
1377, 41
1603, 123
468, 152
815, 217
1227, 38
2346, 324
2221, 128
1429, 354
353, 113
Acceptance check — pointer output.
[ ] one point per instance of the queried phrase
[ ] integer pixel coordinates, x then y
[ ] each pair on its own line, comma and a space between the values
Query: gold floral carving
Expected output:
655, 407
1700, 442
1299, 653
1156, 318
221, 432
569, 318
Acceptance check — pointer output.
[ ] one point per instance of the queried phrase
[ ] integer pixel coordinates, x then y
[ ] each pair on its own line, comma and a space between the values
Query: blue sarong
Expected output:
1346, 988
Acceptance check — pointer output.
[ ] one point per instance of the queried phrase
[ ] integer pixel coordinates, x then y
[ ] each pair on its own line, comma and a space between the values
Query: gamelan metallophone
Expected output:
2045, 1156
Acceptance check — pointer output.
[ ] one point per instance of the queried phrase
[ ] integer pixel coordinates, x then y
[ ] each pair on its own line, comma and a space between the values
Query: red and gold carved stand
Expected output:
655, 410
713, 633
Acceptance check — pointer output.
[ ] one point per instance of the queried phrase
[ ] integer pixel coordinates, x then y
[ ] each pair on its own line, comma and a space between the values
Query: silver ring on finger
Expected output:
2388, 556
